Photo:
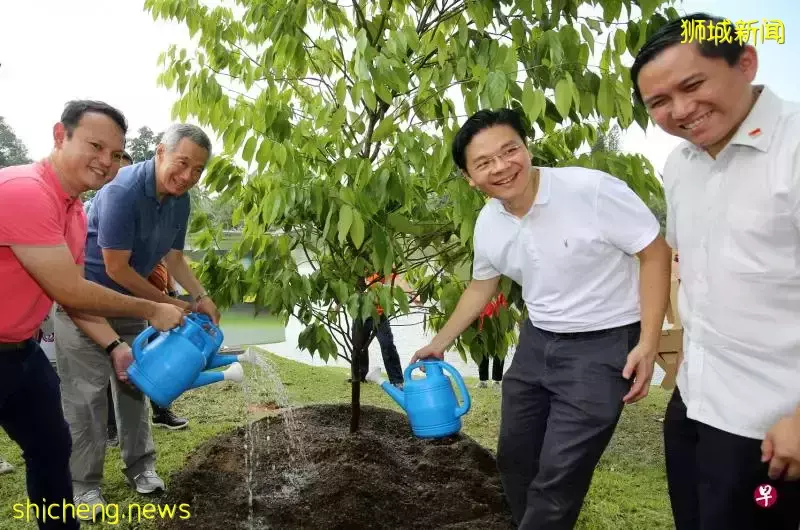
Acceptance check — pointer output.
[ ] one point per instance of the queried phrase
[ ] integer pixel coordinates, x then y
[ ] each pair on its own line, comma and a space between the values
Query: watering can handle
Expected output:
141, 340
464, 408
467, 402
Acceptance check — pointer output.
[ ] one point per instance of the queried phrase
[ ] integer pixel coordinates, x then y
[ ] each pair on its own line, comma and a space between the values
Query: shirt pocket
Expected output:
759, 241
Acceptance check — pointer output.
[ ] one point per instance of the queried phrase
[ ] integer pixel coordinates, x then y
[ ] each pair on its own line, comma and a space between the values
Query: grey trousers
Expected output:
561, 401
85, 370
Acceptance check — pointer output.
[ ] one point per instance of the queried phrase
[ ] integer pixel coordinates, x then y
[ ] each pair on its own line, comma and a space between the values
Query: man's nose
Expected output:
682, 107
106, 159
499, 163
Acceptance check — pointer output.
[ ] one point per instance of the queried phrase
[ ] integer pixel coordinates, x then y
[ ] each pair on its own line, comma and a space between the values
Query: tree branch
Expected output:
361, 20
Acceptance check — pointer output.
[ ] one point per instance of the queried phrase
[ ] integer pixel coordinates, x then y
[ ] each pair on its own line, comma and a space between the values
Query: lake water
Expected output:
409, 336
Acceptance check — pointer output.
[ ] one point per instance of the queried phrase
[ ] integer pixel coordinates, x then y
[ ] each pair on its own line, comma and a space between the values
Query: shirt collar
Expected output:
50, 177
542, 194
149, 168
758, 127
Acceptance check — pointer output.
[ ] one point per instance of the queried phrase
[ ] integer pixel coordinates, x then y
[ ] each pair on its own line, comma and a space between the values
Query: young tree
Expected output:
12, 151
336, 120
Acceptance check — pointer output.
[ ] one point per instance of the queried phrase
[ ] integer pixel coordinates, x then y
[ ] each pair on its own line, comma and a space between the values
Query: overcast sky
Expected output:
52, 51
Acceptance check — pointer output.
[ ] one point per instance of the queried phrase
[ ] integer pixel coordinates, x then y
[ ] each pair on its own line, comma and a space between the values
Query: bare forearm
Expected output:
88, 297
137, 285
654, 287
470, 305
96, 328
182, 273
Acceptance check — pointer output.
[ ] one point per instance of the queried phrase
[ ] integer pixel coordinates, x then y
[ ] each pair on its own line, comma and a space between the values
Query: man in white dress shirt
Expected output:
570, 237
732, 427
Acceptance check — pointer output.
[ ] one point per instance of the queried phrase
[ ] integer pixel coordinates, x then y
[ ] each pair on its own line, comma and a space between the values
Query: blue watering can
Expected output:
430, 403
177, 360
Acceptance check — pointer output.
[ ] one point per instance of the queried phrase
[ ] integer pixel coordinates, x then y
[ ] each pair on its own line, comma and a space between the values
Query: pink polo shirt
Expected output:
34, 211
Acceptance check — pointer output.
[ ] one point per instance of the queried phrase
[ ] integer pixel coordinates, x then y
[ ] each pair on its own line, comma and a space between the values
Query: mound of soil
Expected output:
311, 473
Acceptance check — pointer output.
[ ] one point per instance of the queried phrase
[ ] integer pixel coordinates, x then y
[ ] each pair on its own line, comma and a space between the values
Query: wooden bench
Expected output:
670, 347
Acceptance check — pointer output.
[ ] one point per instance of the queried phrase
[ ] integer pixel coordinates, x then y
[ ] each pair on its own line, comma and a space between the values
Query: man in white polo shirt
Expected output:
733, 196
570, 237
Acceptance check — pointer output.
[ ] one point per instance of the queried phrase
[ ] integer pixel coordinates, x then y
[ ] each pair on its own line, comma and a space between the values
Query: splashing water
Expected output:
263, 385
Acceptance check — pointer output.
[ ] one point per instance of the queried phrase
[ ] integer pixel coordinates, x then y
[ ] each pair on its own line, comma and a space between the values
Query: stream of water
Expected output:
262, 386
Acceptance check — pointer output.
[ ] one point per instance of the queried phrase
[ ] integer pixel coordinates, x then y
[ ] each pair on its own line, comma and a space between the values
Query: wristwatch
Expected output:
200, 297
116, 342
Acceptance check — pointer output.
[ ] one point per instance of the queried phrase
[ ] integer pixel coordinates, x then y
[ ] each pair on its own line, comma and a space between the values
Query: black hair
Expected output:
483, 119
74, 111
673, 33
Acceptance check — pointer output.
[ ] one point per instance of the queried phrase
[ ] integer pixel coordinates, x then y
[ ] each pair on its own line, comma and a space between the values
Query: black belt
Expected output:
13, 346
584, 334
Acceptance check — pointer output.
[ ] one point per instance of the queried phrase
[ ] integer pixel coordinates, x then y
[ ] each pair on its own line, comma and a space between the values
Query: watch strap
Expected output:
116, 342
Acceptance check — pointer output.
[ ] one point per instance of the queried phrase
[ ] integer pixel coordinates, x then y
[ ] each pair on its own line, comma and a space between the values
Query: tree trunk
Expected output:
360, 335
355, 395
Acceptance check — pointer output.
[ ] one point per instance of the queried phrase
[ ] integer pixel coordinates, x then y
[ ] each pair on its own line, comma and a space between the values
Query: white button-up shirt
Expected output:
573, 252
735, 221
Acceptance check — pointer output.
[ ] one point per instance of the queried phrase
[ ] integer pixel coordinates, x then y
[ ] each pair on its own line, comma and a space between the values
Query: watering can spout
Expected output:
395, 393
374, 376
233, 372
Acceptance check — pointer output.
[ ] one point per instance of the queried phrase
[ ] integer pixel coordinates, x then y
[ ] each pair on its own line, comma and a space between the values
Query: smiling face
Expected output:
89, 156
178, 169
498, 163
700, 99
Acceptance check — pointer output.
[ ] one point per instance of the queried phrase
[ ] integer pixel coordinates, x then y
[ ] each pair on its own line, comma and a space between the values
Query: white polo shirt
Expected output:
573, 252
736, 223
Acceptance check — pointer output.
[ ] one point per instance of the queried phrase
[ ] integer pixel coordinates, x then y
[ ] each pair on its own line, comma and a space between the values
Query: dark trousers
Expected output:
497, 368
112, 420
561, 401
31, 414
391, 359
713, 476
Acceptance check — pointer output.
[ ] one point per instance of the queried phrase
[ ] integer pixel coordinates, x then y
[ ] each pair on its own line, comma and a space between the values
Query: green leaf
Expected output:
249, 149
345, 221
341, 90
619, 41
263, 155
605, 99
648, 7
384, 129
563, 97
496, 87
588, 36
357, 230
369, 96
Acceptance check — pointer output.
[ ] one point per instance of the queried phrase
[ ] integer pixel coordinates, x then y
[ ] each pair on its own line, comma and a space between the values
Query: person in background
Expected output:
497, 362
163, 281
113, 434
733, 215
383, 332
42, 241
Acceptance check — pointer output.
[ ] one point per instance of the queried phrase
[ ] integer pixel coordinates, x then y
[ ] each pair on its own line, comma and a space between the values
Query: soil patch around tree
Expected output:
309, 472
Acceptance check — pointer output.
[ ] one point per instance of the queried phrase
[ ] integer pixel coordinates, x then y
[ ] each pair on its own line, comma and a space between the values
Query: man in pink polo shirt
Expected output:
42, 237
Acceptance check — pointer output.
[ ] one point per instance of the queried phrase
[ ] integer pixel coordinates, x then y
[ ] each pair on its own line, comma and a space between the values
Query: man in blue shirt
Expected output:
135, 221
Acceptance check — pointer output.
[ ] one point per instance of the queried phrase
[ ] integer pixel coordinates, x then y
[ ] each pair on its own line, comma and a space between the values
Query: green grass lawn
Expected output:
628, 490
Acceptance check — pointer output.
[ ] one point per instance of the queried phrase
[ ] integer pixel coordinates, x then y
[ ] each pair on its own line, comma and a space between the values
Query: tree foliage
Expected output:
143, 146
12, 151
337, 118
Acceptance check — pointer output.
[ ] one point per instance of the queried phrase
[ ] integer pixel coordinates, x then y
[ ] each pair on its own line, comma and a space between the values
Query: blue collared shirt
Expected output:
127, 215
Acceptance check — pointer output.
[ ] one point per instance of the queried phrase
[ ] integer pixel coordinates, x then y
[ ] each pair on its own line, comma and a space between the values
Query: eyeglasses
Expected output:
507, 153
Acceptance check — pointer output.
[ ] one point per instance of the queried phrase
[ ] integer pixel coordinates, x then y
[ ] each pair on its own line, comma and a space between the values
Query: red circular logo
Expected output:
766, 496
